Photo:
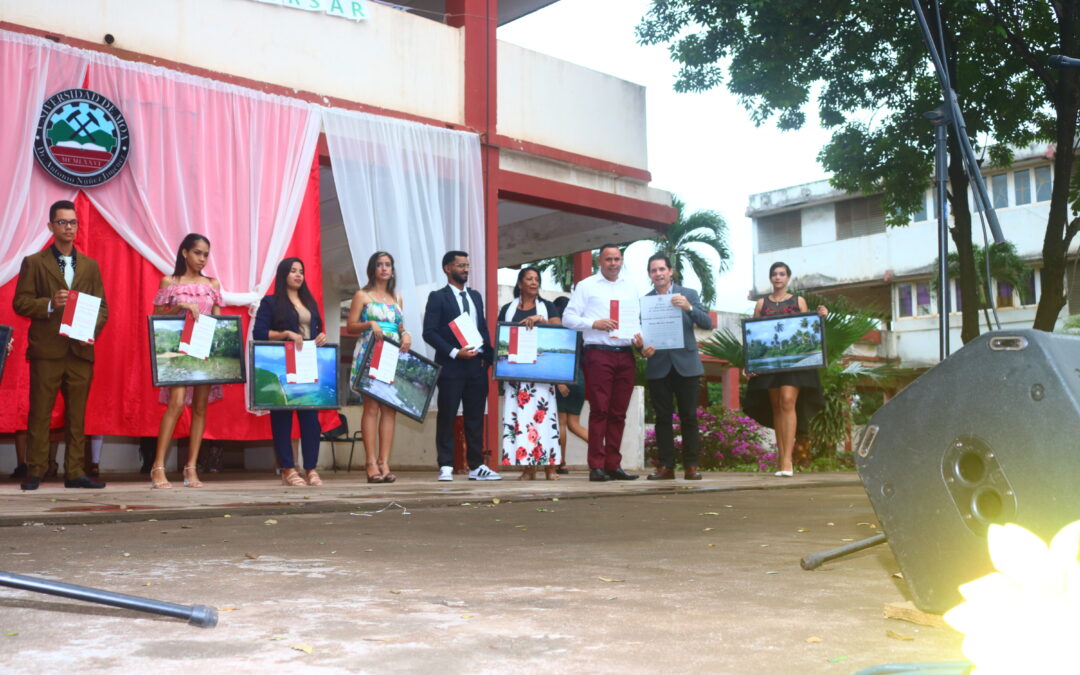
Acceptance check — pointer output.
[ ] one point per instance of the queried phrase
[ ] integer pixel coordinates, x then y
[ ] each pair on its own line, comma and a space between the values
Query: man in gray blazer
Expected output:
674, 373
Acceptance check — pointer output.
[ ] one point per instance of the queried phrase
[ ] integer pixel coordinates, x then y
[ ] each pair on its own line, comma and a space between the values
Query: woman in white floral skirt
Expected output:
530, 428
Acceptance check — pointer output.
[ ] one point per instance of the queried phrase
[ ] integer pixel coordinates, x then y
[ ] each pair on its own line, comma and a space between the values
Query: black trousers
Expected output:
685, 392
471, 393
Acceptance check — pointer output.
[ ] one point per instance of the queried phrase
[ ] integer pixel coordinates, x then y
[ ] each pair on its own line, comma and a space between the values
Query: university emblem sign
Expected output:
82, 138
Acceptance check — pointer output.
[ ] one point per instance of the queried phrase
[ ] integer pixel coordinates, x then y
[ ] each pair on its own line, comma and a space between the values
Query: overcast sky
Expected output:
702, 147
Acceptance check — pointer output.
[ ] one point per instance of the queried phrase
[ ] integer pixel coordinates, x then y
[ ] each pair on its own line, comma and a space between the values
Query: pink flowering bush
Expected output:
729, 441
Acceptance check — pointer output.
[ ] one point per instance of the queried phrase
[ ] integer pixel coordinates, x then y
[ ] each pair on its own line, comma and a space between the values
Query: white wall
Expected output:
552, 102
393, 60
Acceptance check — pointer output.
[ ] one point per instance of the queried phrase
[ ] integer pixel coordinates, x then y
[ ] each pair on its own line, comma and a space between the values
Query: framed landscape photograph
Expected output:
558, 351
270, 391
170, 368
5, 338
413, 386
786, 343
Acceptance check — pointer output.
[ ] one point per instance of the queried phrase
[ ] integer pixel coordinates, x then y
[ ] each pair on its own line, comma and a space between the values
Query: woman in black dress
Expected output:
784, 401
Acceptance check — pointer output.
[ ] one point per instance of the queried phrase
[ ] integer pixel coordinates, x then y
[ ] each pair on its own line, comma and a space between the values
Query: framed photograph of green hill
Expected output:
270, 389
786, 343
551, 354
414, 382
169, 367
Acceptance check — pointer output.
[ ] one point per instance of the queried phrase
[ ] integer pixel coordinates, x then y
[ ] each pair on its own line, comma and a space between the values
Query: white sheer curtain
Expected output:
413, 190
224, 161
31, 69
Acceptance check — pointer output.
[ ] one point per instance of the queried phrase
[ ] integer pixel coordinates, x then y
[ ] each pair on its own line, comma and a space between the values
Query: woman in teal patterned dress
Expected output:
375, 313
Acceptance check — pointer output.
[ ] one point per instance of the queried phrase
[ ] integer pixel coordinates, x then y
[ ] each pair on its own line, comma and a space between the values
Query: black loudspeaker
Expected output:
990, 435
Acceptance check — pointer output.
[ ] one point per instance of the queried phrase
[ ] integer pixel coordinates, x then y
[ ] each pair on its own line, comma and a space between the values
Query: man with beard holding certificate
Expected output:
674, 373
597, 307
464, 376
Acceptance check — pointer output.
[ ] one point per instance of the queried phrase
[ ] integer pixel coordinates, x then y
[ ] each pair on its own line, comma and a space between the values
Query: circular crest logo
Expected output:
82, 138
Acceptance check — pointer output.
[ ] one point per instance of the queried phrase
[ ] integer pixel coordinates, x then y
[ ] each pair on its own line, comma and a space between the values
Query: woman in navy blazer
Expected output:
291, 313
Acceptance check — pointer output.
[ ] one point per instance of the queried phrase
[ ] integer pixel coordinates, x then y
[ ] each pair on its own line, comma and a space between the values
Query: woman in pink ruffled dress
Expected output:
186, 290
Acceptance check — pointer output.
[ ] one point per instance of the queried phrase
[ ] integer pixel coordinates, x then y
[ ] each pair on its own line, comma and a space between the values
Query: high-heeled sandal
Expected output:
551, 473
528, 473
387, 477
313, 478
377, 478
162, 484
191, 478
292, 477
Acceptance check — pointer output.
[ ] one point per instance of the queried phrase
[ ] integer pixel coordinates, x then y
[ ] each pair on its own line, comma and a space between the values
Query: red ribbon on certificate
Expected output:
69, 308
458, 334
189, 329
290, 358
513, 339
614, 311
376, 358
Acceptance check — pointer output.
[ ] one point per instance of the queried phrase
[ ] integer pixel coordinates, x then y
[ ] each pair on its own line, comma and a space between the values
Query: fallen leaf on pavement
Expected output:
711, 545
466, 616
898, 636
375, 639
395, 591
13, 634
813, 639
187, 527
251, 556
898, 575
270, 522
610, 580
772, 572
307, 649
495, 500
707, 529
226, 609
838, 659
709, 513
226, 516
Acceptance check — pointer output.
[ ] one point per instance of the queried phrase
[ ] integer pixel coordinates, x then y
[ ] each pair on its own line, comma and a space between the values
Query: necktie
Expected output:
465, 301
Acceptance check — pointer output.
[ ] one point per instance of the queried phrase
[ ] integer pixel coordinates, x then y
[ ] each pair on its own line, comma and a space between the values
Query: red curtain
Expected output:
122, 400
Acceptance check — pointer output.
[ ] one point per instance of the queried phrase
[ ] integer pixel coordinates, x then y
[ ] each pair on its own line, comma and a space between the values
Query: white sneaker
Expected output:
446, 473
483, 473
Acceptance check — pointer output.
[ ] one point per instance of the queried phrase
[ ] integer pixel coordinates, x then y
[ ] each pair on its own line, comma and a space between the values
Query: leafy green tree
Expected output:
684, 241
867, 63
1005, 265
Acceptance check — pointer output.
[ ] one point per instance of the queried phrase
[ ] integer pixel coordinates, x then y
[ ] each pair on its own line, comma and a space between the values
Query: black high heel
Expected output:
377, 478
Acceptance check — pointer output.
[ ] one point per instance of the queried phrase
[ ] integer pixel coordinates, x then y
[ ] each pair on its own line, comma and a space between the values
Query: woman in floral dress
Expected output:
186, 290
375, 313
530, 418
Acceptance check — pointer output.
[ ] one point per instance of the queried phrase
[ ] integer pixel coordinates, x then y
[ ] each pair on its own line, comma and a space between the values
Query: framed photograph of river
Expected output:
785, 343
171, 368
269, 389
414, 382
558, 351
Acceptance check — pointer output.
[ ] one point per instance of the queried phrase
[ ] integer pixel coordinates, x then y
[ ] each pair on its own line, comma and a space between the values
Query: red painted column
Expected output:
582, 265
731, 389
478, 19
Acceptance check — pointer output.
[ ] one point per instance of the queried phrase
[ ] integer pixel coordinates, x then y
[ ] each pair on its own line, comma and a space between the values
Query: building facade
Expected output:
837, 244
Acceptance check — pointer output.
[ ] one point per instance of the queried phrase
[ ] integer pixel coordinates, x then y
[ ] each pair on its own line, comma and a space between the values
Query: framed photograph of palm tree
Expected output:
785, 343
269, 387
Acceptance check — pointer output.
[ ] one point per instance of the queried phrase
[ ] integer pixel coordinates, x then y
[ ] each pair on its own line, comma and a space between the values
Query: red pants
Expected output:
609, 382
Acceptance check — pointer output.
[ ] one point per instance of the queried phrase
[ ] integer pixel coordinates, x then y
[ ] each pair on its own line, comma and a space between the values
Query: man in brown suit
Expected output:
58, 362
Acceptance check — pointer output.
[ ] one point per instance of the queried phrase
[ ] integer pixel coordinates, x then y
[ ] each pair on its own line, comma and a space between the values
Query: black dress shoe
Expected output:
619, 474
19, 472
598, 476
85, 482
562, 471
31, 483
662, 473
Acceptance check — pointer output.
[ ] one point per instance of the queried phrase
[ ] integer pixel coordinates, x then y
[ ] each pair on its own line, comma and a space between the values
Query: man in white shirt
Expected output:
608, 361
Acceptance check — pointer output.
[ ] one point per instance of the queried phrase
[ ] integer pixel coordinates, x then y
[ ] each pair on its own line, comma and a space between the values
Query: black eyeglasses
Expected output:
67, 223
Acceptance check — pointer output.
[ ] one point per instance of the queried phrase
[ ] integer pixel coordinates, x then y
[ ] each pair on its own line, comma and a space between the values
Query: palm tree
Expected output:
562, 268
1005, 266
683, 241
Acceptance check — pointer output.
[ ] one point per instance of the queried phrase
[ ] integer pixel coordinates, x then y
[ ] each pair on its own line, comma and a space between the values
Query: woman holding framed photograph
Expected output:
784, 401
186, 290
375, 313
530, 417
290, 313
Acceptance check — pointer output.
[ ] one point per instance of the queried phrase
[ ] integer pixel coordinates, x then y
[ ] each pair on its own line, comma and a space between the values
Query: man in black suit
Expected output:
464, 376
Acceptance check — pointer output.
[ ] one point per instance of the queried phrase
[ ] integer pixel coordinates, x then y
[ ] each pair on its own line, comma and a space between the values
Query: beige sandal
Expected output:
313, 478
292, 477
162, 484
191, 479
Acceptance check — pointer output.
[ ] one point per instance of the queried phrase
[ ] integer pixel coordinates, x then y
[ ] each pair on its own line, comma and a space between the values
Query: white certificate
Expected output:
80, 316
303, 367
384, 359
523, 345
625, 312
198, 336
466, 332
661, 323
